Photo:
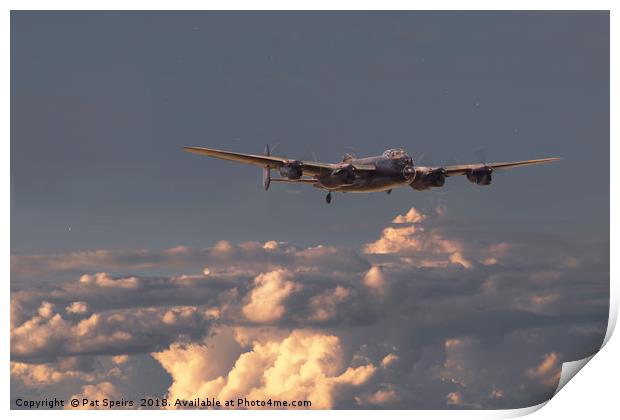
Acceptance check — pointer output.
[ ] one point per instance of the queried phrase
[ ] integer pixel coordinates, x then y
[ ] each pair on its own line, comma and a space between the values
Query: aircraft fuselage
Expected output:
389, 174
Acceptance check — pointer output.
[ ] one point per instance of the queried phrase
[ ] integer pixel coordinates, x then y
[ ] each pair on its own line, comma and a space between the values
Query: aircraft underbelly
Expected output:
372, 185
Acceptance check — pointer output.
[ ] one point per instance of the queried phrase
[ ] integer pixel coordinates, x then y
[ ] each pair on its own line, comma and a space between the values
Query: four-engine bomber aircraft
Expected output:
393, 169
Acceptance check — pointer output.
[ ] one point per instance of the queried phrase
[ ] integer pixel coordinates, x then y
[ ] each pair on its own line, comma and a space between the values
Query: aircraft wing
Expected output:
274, 162
462, 169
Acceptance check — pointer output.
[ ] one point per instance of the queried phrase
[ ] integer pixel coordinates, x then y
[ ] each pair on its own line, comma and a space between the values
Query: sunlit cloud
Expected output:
266, 298
417, 318
548, 371
305, 365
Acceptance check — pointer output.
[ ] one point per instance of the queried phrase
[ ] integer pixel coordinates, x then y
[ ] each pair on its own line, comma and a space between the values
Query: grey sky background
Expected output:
101, 104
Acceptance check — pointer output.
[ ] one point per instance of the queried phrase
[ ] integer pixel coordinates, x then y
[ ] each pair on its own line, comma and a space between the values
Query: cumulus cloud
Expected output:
325, 305
389, 360
454, 398
46, 374
78, 307
305, 365
422, 316
417, 244
266, 298
64, 376
145, 329
382, 397
46, 310
105, 280
120, 359
548, 371
412, 216
98, 392
375, 279
222, 259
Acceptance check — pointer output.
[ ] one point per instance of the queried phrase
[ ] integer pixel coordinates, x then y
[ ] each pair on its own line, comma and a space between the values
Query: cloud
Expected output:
425, 315
120, 359
325, 305
266, 298
548, 371
389, 360
46, 374
105, 280
46, 310
222, 259
78, 307
417, 244
116, 332
454, 398
101, 391
412, 216
383, 397
67, 373
305, 365
375, 279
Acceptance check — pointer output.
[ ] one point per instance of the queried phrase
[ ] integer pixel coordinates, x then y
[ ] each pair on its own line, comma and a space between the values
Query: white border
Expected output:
594, 393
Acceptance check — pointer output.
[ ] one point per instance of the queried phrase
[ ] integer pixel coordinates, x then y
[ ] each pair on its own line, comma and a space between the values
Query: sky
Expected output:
99, 117
141, 270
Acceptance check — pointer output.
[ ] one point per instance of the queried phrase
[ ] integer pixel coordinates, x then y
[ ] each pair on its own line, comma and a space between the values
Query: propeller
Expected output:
311, 153
282, 152
482, 158
292, 188
453, 161
266, 171
481, 154
426, 159
409, 172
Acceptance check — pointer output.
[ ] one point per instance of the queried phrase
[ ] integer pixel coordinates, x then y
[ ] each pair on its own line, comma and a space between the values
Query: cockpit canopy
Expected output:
395, 154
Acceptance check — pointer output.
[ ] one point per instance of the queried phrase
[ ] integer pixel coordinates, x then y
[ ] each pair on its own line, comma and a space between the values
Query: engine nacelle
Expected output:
292, 170
425, 180
339, 177
480, 176
344, 175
